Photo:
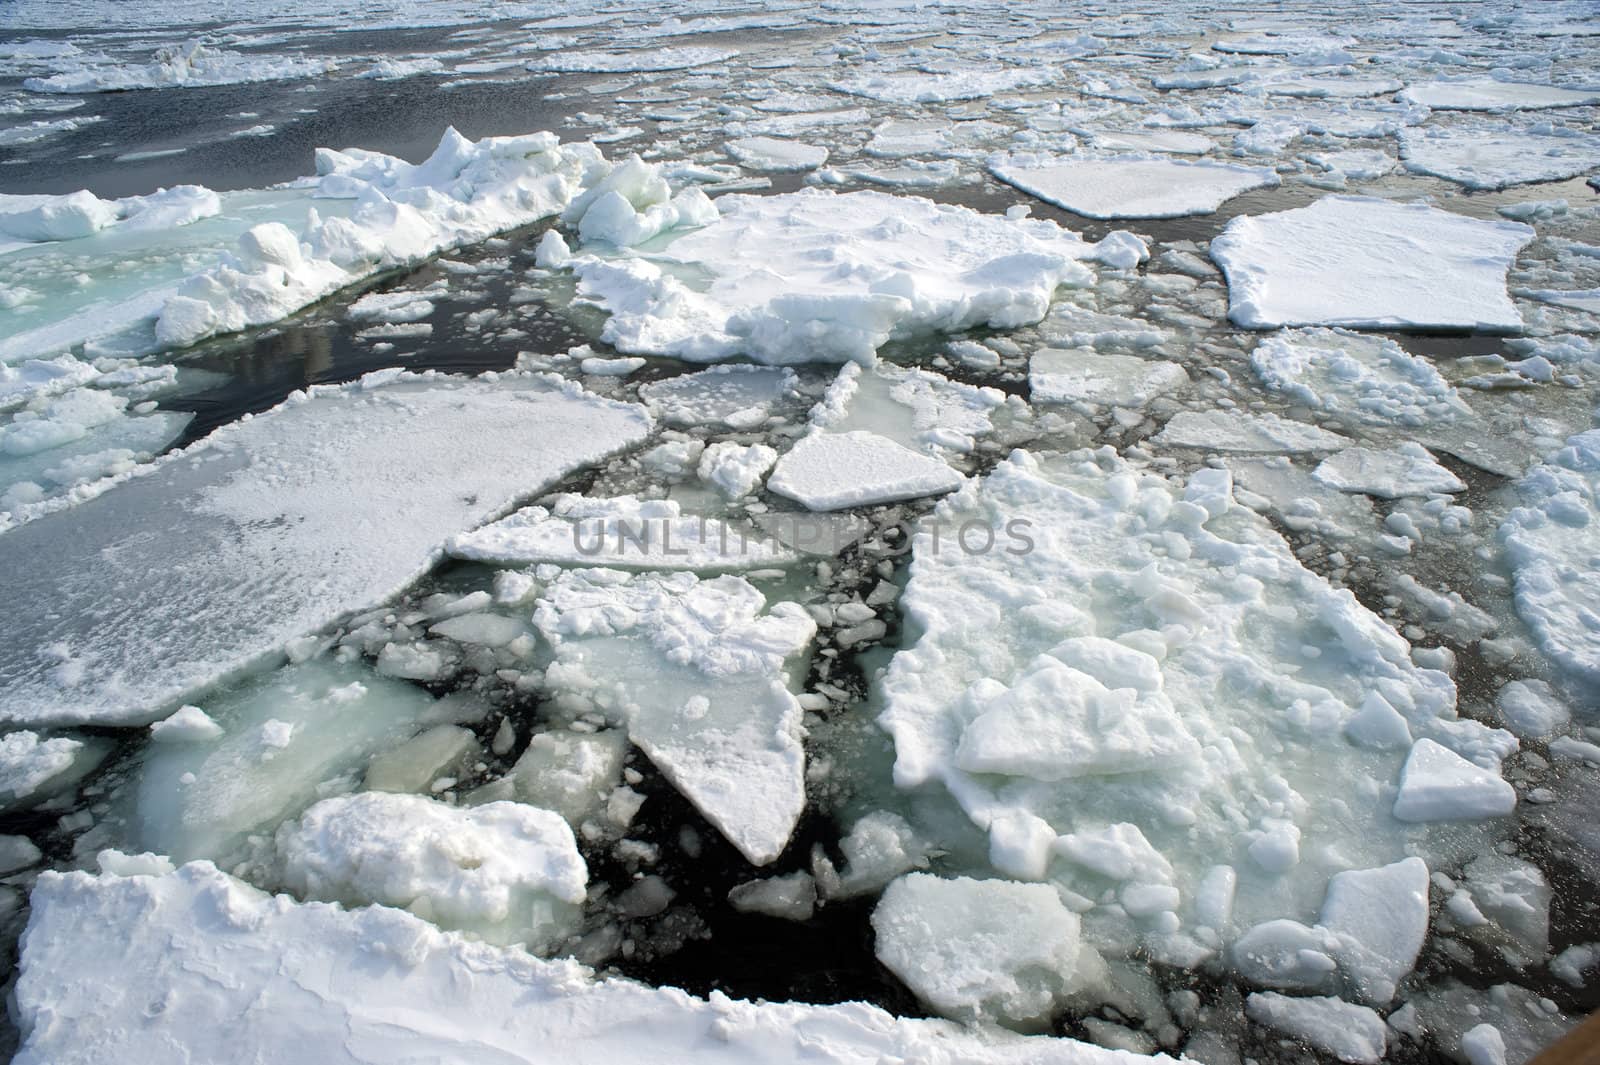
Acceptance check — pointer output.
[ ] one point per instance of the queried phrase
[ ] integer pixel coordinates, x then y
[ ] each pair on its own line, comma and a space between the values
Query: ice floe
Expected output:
1498, 158
1131, 187
1363, 262
1082, 375
176, 66
1221, 430
831, 471
772, 153
1408, 469
270, 529
695, 670
1550, 543
820, 276
1367, 379
1491, 94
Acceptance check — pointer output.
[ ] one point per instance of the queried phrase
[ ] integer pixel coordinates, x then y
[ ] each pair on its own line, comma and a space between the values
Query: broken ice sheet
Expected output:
272, 528
698, 671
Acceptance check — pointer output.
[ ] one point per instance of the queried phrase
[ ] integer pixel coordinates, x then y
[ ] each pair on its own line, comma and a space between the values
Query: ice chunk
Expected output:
283, 736
736, 469
920, 409
624, 532
775, 154
1285, 953
1550, 542
792, 897
819, 276
569, 772
307, 975
1498, 158
1370, 379
1350, 1033
878, 848
416, 764
187, 724
978, 949
504, 872
1380, 917
214, 560
1531, 708
1482, 1044
1489, 94
1130, 187
695, 670
640, 60
1436, 784
33, 767
1408, 469
1221, 430
1369, 263
1082, 375
830, 471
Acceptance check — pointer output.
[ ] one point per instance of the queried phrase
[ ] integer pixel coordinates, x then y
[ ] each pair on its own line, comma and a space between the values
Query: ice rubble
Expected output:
505, 872
820, 276
271, 528
1363, 262
1130, 187
1347, 375
1550, 543
377, 983
1489, 94
1408, 469
1230, 732
623, 532
696, 671
34, 768
176, 66
75, 215
1498, 158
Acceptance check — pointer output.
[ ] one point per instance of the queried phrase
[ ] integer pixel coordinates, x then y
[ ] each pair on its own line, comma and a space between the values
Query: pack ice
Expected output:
1363, 262
815, 275
271, 528
1157, 710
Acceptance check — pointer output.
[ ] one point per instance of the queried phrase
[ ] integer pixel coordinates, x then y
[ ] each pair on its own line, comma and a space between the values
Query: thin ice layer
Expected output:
1368, 263
272, 528
1132, 187
352, 987
820, 276
1367, 379
697, 671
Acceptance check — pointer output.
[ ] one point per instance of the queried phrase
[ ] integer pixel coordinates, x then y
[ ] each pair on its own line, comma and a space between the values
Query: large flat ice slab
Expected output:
1368, 263
1498, 158
1551, 542
831, 471
1488, 94
377, 984
1131, 187
273, 527
818, 276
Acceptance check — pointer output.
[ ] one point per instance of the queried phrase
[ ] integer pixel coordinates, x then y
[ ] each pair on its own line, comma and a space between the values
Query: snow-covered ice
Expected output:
1131, 187
213, 560
505, 872
1349, 1032
696, 671
1082, 375
1406, 470
348, 986
820, 276
776, 154
1550, 543
1363, 262
1490, 94
1348, 375
831, 471
1220, 430
1500, 157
